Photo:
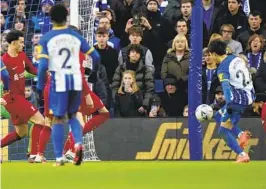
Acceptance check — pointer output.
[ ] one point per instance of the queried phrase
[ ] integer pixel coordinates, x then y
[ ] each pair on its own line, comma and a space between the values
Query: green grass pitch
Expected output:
135, 175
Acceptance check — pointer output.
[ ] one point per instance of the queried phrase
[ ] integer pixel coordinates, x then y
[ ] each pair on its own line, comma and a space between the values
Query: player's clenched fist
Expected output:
89, 101
2, 102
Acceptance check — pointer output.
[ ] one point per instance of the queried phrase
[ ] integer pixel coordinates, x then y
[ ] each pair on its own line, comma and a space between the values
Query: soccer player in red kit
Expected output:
259, 106
21, 111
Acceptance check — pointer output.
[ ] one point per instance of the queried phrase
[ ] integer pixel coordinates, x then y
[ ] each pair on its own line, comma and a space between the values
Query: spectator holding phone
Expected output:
144, 78
155, 108
129, 97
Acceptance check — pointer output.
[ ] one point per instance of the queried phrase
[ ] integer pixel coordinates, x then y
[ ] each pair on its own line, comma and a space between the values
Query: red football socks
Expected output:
34, 138
70, 143
95, 121
44, 139
9, 139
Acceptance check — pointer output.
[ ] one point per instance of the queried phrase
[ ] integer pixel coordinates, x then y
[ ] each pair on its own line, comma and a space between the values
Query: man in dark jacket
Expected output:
124, 9
180, 28
144, 78
107, 67
172, 11
254, 27
158, 36
210, 12
173, 99
186, 12
235, 16
108, 54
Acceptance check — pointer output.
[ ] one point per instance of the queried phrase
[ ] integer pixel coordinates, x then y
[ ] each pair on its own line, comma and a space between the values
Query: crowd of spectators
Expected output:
145, 49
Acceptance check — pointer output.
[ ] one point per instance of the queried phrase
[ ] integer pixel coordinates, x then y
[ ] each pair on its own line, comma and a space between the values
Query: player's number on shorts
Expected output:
245, 80
68, 53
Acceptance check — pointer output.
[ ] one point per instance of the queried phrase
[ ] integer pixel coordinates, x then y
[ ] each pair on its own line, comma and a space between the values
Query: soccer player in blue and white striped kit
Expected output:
61, 48
239, 93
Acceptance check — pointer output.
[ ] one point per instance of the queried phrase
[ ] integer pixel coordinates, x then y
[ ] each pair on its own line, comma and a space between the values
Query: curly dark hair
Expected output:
136, 48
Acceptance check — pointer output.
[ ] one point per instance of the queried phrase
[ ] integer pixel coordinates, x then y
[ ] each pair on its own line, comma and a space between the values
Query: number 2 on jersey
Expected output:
245, 80
68, 53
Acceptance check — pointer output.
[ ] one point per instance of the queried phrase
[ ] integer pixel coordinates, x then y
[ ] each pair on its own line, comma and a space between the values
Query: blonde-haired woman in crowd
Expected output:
129, 97
176, 61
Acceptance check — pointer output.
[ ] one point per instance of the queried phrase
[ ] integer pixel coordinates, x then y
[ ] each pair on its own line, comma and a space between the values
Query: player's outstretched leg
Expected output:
233, 144
243, 136
20, 132
96, 120
90, 125
77, 134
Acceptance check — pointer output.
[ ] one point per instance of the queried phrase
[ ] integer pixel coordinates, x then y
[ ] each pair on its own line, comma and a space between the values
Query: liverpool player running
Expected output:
21, 111
61, 47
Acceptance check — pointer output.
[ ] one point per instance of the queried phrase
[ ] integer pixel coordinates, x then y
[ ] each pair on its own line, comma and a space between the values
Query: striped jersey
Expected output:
234, 70
62, 46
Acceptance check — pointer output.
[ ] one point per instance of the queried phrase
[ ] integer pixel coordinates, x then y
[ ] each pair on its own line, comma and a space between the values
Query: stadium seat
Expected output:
159, 86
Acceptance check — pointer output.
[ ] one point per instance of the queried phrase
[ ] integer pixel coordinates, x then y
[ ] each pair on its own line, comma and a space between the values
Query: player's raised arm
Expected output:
43, 65
88, 50
29, 66
224, 80
4, 76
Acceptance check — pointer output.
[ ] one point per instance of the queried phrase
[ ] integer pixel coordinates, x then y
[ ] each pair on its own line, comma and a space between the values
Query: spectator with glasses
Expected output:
227, 31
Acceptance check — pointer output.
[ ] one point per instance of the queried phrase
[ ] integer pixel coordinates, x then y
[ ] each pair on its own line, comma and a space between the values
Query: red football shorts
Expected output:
97, 104
19, 108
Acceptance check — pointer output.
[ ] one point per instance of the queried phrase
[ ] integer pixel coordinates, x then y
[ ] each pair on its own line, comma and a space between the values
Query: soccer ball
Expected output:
204, 112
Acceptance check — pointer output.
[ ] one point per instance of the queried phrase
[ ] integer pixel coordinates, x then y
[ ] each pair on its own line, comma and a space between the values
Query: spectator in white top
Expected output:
227, 32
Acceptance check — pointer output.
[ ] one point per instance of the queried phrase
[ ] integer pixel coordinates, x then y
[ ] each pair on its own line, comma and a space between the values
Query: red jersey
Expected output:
16, 67
85, 87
